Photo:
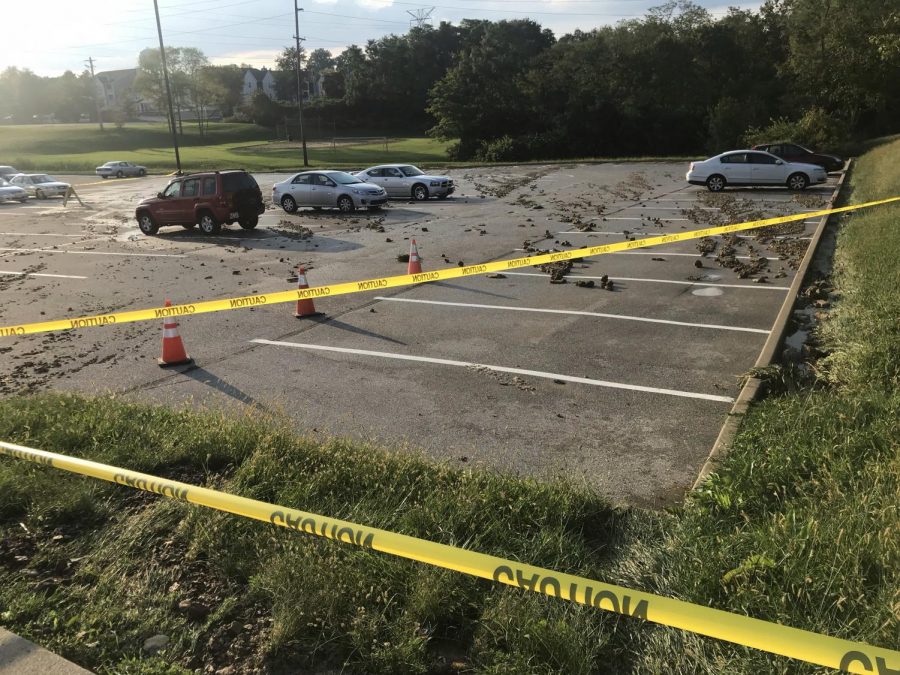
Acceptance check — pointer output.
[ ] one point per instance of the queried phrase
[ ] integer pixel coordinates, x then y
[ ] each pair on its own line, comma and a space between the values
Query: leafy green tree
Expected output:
286, 74
479, 97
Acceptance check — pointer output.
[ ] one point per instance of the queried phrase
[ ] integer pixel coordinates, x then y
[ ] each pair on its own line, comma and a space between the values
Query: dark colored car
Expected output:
797, 153
208, 199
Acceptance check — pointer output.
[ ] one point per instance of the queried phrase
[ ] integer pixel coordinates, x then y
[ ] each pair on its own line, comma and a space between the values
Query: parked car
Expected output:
10, 192
407, 181
327, 189
748, 167
8, 172
797, 153
121, 170
208, 199
40, 185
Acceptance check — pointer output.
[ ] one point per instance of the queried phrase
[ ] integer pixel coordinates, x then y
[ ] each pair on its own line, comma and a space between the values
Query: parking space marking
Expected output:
500, 369
755, 287
36, 234
36, 274
658, 232
139, 255
572, 312
687, 255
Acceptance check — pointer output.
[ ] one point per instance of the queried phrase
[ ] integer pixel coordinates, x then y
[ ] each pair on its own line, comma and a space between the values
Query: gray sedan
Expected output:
121, 170
328, 189
407, 181
10, 192
40, 185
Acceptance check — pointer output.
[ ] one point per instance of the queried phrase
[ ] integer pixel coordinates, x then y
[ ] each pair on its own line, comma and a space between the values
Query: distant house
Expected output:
115, 88
258, 80
263, 80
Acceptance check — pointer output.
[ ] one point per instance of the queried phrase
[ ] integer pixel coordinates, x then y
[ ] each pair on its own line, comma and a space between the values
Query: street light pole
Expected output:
297, 11
162, 53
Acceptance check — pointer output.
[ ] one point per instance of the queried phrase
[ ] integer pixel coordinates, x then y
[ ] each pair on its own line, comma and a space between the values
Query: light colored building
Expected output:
258, 80
116, 88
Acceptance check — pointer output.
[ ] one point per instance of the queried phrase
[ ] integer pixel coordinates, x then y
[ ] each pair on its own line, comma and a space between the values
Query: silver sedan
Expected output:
40, 185
408, 182
10, 192
326, 189
121, 170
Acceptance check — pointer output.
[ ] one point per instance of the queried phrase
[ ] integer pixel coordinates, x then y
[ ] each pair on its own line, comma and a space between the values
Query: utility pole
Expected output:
162, 53
96, 100
297, 11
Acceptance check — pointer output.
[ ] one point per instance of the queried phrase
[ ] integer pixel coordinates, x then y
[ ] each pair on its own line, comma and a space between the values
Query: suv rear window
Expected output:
234, 182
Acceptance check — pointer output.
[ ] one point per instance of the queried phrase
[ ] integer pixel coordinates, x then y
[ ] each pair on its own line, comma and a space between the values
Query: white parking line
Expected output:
501, 369
130, 255
38, 234
658, 232
754, 287
687, 255
36, 274
573, 312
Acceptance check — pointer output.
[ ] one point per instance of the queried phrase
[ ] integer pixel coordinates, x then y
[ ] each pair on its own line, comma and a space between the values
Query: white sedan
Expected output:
407, 181
10, 192
326, 189
40, 185
120, 170
753, 167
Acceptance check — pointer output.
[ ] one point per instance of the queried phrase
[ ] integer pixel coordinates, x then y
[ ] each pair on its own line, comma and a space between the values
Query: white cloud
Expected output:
257, 58
375, 4
325, 2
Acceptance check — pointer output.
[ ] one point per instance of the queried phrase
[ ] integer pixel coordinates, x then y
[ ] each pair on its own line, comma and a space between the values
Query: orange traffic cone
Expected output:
305, 306
173, 353
415, 262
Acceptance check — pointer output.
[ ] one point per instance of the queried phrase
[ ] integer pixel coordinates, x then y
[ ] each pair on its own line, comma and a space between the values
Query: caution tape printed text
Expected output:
345, 288
775, 638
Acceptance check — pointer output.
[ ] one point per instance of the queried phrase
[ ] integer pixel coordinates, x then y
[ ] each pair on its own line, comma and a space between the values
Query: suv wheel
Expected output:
715, 183
289, 204
797, 181
146, 223
119, 174
345, 204
39, 194
248, 221
142, 172
208, 223
419, 192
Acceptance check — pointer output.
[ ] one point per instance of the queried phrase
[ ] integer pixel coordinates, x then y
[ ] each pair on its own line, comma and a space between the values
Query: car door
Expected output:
395, 182
376, 177
167, 209
186, 205
323, 190
735, 168
299, 189
766, 169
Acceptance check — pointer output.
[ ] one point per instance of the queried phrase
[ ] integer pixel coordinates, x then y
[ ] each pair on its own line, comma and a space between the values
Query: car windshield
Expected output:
342, 178
411, 171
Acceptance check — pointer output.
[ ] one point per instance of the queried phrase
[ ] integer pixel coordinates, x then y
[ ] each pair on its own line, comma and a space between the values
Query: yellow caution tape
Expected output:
854, 657
345, 288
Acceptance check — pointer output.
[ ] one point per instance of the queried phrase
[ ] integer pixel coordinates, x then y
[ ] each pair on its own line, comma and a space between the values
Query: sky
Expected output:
59, 35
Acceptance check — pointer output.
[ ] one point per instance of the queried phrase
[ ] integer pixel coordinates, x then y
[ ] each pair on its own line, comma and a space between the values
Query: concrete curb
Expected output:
753, 388
18, 656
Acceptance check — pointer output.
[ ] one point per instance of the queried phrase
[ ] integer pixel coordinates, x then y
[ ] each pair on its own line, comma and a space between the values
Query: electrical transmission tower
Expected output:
420, 17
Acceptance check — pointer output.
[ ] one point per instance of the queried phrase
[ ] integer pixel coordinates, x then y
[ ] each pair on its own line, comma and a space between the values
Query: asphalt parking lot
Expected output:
624, 390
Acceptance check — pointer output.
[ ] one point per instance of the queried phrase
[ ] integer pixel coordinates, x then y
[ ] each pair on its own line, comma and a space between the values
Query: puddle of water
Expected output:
708, 292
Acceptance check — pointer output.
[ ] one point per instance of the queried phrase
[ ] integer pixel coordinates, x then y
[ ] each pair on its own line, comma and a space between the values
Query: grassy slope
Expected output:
799, 526
80, 147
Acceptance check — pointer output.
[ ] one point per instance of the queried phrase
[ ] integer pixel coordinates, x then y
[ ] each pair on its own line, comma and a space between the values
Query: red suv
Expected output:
207, 199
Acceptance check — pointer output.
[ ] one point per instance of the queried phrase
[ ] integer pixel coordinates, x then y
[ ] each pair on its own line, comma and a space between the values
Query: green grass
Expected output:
79, 148
82, 147
798, 526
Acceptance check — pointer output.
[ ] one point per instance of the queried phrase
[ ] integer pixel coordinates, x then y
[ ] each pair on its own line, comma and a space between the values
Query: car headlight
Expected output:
355, 191
435, 183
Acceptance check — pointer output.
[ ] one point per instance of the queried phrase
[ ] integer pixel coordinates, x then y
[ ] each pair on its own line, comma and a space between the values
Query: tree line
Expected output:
676, 81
